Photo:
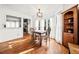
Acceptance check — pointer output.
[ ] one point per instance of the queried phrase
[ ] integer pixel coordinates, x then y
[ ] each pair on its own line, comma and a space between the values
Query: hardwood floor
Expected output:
16, 46
51, 48
25, 46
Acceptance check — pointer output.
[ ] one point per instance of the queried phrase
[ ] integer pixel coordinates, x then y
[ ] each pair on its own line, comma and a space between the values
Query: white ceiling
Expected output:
31, 9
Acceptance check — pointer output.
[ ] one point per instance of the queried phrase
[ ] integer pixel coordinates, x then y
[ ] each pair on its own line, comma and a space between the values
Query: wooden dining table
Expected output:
40, 32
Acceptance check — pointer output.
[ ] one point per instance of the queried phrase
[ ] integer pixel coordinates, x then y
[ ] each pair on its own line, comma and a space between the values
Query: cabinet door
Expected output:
68, 37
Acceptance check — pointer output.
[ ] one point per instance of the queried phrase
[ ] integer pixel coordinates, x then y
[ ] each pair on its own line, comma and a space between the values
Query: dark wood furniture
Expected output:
70, 28
39, 32
74, 49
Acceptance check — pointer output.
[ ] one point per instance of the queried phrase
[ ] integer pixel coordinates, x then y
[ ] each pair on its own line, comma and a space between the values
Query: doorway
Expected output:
25, 27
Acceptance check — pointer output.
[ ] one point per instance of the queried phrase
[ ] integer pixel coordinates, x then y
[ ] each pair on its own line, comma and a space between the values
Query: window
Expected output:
13, 22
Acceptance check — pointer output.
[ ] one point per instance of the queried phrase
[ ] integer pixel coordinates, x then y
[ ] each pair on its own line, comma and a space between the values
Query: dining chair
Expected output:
45, 37
35, 37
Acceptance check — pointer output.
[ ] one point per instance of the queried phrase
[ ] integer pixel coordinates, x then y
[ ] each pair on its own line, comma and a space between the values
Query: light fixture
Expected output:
39, 14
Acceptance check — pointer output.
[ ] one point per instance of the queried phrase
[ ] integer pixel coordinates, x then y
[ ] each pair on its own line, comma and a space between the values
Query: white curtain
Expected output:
53, 27
41, 24
59, 28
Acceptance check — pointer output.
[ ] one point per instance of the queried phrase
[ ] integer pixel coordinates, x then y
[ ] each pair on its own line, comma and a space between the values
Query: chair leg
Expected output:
46, 41
49, 39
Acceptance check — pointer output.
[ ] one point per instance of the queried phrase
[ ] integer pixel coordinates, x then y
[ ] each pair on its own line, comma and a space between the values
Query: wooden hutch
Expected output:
70, 26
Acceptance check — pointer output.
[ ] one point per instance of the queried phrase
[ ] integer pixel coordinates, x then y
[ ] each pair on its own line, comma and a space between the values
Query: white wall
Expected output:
9, 33
67, 6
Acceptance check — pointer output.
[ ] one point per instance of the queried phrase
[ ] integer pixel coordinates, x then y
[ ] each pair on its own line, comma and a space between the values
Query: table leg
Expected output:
40, 40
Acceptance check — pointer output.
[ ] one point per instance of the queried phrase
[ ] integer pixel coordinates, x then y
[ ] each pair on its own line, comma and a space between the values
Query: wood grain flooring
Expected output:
24, 46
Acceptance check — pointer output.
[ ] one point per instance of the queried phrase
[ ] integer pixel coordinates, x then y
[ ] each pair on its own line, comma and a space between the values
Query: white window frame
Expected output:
13, 21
